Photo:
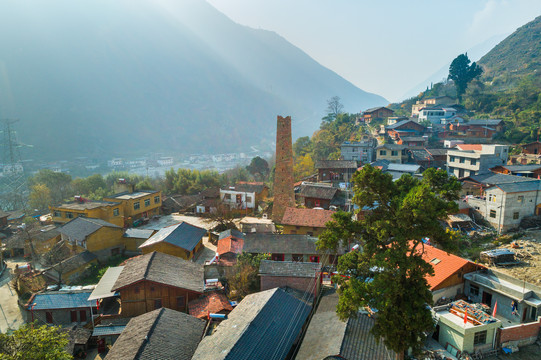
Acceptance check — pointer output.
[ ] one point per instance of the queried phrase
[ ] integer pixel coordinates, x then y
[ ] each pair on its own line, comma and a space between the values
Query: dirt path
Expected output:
11, 315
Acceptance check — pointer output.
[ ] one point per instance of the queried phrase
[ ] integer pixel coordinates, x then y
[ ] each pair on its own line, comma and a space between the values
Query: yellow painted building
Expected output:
138, 205
110, 211
133, 238
95, 235
181, 240
393, 153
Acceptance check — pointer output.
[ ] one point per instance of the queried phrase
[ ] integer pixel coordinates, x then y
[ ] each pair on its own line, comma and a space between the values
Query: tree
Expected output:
34, 342
40, 197
258, 167
59, 184
245, 277
55, 258
304, 166
389, 274
334, 108
461, 72
302, 146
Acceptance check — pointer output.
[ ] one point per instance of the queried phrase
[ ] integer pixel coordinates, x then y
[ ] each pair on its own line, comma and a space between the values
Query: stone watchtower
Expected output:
284, 195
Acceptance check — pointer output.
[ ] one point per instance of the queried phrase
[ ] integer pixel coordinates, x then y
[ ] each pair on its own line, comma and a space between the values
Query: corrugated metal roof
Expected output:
61, 300
108, 330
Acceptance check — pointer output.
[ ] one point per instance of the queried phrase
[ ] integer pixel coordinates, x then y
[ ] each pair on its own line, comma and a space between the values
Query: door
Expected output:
487, 298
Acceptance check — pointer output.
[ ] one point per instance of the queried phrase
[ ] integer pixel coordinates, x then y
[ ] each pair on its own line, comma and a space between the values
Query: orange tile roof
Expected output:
448, 264
475, 147
229, 244
307, 217
213, 303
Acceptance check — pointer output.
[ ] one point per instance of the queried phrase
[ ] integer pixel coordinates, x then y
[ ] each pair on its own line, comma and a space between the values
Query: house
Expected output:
421, 104
454, 120
413, 141
180, 203
422, 158
138, 205
298, 248
109, 211
3, 218
449, 271
183, 240
350, 339
312, 195
109, 329
394, 119
243, 195
476, 334
302, 276
78, 338
160, 334
32, 242
435, 114
477, 184
362, 151
230, 244
525, 159
95, 235
479, 128
405, 128
530, 171
214, 302
397, 170
60, 307
533, 148
249, 224
439, 157
156, 280
377, 113
505, 205
393, 153
305, 221
336, 171
254, 331
133, 238
209, 202
71, 269
475, 159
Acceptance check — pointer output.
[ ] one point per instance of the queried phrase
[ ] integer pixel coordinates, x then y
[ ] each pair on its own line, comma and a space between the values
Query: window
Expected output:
314, 259
227, 196
474, 290
394, 153
136, 290
515, 215
82, 315
136, 205
297, 257
461, 160
69, 215
57, 214
181, 302
383, 152
116, 212
451, 159
157, 303
248, 199
156, 199
73, 316
520, 198
493, 213
152, 288
480, 338
147, 202
473, 162
309, 233
277, 257
49, 317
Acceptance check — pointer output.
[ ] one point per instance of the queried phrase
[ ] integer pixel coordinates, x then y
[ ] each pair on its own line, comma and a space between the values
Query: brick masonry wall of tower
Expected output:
284, 195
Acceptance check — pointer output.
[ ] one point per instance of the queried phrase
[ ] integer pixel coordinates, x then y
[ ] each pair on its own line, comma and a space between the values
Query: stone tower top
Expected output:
284, 195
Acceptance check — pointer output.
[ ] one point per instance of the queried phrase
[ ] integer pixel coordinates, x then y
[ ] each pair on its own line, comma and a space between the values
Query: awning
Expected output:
103, 289
108, 330
533, 302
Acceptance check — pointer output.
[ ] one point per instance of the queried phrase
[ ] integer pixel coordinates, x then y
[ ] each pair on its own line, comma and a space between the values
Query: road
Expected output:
11, 316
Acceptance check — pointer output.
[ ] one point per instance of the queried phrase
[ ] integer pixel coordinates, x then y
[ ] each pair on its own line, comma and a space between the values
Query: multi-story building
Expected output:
392, 152
440, 100
110, 211
475, 159
436, 114
244, 195
363, 151
138, 205
377, 113
336, 171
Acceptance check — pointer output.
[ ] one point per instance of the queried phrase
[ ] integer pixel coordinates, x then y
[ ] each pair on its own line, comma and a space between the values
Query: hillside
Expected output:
105, 78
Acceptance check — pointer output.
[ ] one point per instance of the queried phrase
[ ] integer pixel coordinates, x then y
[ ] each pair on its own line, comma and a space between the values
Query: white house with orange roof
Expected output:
474, 159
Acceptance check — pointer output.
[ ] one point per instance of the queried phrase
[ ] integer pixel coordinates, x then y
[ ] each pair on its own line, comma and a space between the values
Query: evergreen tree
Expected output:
462, 73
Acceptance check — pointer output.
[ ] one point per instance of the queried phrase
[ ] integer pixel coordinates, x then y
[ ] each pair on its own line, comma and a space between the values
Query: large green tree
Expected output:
259, 168
58, 183
34, 342
389, 274
462, 73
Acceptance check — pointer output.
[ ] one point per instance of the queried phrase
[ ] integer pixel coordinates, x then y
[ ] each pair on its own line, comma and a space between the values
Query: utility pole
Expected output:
13, 187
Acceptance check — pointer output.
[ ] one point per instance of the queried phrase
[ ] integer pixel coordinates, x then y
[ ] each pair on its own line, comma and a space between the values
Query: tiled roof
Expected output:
474, 147
104, 330
437, 152
230, 244
126, 195
160, 334
60, 300
183, 235
288, 268
213, 303
376, 109
519, 168
399, 124
532, 185
447, 265
231, 232
496, 179
243, 186
317, 191
263, 326
336, 164
163, 269
138, 233
85, 205
392, 146
80, 227
307, 217
76, 261
491, 122
261, 243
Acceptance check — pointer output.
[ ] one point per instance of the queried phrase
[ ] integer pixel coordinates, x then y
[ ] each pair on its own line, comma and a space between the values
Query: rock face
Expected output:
284, 195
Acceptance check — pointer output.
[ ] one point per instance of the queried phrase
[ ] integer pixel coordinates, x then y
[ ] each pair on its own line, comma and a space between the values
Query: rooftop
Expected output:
253, 331
376, 109
496, 179
85, 205
163, 269
336, 164
52, 300
75, 262
243, 186
262, 243
230, 244
317, 191
103, 289
138, 233
400, 123
133, 195
213, 303
289, 268
81, 227
532, 185
159, 334
307, 217
183, 235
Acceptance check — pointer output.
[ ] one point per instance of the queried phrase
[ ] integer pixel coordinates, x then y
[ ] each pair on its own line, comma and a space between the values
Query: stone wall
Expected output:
284, 195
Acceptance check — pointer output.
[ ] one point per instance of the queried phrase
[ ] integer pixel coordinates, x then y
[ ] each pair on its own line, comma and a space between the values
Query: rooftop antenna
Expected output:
13, 188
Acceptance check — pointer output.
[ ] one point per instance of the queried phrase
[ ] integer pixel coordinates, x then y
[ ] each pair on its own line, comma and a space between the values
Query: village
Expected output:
217, 275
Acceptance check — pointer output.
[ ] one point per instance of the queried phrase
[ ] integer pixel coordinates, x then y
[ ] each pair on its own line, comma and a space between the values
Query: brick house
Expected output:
156, 280
532, 148
296, 275
377, 113
336, 171
316, 195
305, 221
230, 244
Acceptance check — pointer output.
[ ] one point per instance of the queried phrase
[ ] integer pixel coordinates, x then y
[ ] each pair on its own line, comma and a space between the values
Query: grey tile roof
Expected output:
520, 186
278, 243
103, 330
160, 334
437, 152
246, 187
138, 233
336, 164
75, 261
392, 146
183, 235
288, 268
399, 123
231, 232
491, 122
519, 168
80, 227
263, 326
163, 269
496, 179
360, 344
317, 191
376, 108
61, 300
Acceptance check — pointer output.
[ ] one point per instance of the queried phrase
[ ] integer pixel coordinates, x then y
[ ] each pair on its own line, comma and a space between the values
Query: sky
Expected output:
386, 46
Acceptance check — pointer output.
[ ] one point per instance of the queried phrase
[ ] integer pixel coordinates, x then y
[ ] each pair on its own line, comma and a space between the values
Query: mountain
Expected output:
516, 56
127, 77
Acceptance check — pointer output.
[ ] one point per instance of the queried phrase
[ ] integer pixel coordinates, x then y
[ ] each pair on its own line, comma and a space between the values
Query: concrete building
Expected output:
436, 114
392, 152
363, 151
439, 100
474, 159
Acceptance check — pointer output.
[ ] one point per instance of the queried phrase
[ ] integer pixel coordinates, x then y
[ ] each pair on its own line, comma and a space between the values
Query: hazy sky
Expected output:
384, 46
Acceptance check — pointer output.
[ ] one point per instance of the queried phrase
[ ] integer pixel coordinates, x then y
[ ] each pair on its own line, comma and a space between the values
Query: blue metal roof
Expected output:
61, 300
108, 330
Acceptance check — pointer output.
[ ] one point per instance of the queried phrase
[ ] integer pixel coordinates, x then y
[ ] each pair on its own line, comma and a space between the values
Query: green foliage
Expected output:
259, 167
389, 274
245, 278
190, 182
34, 342
40, 197
58, 183
334, 108
97, 270
462, 73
